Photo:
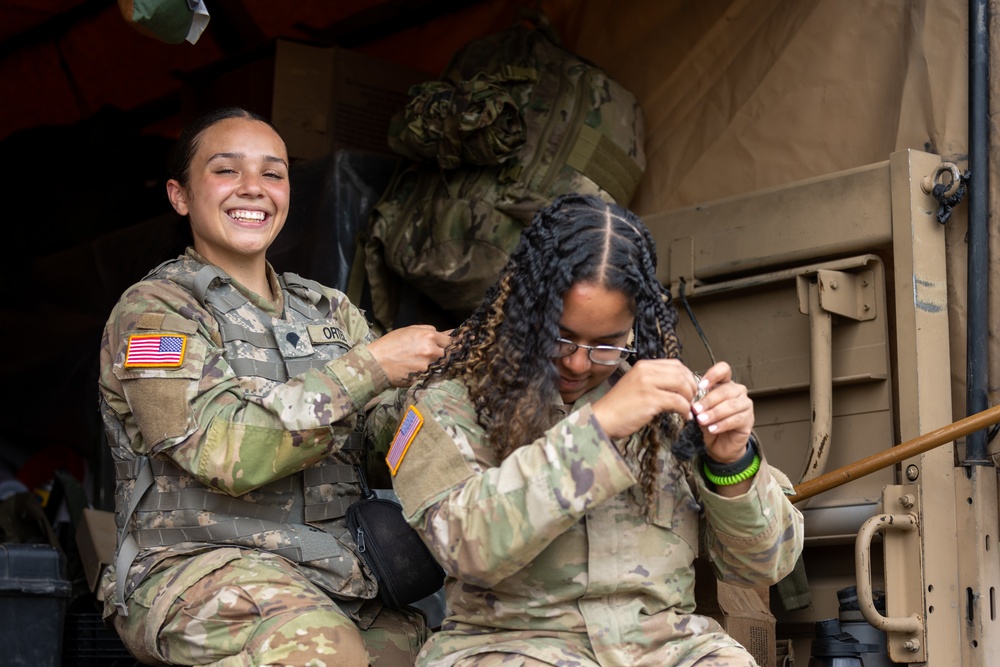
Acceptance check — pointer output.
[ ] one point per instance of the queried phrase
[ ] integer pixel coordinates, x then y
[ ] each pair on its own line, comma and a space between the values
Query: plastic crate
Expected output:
87, 641
34, 593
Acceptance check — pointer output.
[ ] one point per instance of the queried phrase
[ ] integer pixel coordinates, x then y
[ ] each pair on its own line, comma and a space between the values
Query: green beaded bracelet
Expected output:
729, 480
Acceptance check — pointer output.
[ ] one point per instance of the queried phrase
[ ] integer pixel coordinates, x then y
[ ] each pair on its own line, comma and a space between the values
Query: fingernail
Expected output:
702, 419
703, 384
697, 407
713, 428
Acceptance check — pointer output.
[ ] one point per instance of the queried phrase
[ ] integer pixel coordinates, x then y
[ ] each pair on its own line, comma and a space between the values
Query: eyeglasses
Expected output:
605, 355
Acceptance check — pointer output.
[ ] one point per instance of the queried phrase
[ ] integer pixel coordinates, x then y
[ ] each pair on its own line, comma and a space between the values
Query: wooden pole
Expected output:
900, 452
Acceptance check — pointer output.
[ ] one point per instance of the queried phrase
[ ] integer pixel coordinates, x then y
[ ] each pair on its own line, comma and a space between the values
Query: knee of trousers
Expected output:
300, 637
297, 636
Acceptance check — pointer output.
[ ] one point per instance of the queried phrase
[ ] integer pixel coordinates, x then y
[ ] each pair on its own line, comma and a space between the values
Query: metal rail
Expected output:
894, 455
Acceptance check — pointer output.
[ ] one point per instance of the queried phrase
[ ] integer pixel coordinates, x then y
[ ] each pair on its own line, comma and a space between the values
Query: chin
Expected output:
571, 397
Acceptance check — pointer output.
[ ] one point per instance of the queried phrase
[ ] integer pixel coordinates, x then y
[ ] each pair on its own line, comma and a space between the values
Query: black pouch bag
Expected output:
403, 565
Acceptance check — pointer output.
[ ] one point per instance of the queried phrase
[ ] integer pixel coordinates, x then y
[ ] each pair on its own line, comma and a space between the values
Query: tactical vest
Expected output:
299, 517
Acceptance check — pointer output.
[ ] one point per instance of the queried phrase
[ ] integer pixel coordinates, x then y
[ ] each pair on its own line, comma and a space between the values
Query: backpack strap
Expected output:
598, 158
358, 277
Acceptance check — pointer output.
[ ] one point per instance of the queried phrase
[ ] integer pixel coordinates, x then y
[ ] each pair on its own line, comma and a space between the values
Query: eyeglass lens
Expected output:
599, 354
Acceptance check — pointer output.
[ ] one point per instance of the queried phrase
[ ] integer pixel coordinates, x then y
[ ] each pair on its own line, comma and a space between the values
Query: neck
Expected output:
254, 280
248, 270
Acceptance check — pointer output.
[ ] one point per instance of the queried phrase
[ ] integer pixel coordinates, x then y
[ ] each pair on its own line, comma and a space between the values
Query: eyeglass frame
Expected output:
623, 351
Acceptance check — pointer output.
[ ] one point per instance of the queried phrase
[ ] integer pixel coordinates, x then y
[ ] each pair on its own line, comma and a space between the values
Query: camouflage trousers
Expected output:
736, 658
234, 607
528, 648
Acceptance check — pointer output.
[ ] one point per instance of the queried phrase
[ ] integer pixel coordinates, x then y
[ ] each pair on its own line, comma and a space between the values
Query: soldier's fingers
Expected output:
733, 413
719, 373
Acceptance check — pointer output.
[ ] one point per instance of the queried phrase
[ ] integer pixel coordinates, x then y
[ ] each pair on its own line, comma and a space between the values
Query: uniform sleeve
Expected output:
199, 414
754, 538
382, 420
485, 521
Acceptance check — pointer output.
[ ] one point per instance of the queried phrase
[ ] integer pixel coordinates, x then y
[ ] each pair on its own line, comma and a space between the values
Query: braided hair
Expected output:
503, 352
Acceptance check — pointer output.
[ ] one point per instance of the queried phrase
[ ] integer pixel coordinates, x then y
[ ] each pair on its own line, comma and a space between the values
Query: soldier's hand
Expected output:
650, 387
724, 413
408, 350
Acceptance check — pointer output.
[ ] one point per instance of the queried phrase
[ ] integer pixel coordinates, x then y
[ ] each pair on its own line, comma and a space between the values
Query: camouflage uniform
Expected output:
235, 462
550, 559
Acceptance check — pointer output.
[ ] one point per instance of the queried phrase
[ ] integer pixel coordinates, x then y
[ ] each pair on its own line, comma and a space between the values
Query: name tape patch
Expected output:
405, 432
155, 351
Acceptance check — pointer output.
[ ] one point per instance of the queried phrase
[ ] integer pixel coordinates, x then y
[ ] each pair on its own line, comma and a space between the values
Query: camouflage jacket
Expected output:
548, 552
247, 415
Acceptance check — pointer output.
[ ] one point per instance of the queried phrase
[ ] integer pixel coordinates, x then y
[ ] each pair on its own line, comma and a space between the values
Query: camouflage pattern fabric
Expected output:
242, 607
241, 460
549, 556
733, 656
515, 120
472, 122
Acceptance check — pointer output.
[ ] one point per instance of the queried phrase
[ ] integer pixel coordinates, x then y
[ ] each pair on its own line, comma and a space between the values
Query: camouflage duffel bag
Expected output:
515, 120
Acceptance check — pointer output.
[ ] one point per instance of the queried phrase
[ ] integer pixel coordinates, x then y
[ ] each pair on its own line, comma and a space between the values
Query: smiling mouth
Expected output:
241, 215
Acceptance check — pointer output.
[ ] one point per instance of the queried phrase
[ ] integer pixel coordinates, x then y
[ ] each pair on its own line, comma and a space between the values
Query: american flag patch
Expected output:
405, 433
155, 351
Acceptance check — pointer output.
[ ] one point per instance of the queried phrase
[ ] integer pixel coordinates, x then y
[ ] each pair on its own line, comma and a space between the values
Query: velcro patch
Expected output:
324, 333
155, 350
405, 434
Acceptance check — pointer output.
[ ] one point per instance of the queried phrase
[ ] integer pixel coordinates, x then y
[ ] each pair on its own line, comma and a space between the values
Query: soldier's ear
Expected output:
177, 195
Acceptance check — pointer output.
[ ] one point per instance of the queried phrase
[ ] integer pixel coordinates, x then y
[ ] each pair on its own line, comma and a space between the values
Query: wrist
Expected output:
728, 474
733, 467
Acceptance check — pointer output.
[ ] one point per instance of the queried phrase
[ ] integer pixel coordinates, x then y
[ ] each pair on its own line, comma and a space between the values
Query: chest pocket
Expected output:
303, 346
293, 340
259, 346
677, 509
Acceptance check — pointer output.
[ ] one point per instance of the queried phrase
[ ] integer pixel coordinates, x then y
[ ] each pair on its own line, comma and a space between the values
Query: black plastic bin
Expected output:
90, 643
34, 593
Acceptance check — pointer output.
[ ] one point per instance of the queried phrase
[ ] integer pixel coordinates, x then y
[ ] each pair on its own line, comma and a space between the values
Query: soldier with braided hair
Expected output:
546, 462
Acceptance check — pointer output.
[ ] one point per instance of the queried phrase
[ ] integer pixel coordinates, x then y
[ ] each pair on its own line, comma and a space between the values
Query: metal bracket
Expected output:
850, 295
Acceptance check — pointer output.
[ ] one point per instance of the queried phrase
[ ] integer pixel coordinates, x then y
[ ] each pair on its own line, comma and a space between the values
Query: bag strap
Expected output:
128, 548
366, 491
357, 278
598, 158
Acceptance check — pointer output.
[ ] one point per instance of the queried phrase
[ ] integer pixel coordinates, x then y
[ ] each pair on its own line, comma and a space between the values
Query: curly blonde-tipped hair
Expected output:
503, 352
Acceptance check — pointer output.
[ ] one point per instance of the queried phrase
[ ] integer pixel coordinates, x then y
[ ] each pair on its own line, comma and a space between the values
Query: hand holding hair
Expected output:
649, 388
724, 414
408, 350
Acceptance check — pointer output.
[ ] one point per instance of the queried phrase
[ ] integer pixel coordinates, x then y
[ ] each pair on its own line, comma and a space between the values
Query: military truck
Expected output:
819, 184
819, 188
835, 286
854, 305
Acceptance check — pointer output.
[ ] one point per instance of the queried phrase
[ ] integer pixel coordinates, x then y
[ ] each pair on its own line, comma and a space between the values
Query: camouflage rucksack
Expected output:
515, 120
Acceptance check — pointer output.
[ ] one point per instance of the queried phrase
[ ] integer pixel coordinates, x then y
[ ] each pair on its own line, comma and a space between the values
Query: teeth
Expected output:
250, 216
